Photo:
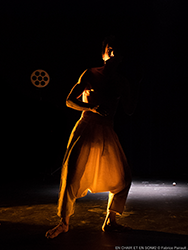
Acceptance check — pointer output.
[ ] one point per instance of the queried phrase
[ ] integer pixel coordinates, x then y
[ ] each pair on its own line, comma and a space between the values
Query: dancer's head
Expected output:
112, 48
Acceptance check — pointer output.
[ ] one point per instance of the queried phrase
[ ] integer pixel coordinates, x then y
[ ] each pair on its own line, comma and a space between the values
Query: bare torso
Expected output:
103, 89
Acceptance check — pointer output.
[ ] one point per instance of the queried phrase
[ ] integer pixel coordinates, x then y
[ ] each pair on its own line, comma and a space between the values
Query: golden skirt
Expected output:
94, 159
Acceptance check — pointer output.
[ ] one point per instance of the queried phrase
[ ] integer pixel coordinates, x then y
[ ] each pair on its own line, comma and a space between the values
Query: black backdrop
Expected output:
64, 38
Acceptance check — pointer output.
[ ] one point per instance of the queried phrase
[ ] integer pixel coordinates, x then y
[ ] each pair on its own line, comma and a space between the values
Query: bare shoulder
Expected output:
84, 77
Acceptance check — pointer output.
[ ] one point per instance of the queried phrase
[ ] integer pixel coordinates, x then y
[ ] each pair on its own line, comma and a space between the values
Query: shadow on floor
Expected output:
24, 236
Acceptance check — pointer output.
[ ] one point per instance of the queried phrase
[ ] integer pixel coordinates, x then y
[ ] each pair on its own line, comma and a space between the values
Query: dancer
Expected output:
94, 159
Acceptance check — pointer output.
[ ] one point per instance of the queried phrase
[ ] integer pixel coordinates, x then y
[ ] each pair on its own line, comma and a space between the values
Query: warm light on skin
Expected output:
108, 53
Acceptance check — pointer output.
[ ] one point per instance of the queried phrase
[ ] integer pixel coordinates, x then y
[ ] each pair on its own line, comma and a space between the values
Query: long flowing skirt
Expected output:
94, 159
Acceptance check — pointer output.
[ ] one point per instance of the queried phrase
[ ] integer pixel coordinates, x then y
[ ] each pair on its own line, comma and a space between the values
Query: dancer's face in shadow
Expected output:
108, 53
111, 55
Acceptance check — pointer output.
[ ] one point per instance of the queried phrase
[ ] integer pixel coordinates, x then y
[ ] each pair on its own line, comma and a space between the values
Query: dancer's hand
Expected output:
101, 110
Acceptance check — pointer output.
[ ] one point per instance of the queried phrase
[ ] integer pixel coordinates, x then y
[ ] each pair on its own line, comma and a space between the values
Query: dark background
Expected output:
64, 38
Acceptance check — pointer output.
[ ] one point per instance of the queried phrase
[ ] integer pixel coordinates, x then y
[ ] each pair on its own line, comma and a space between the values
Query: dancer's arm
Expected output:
72, 100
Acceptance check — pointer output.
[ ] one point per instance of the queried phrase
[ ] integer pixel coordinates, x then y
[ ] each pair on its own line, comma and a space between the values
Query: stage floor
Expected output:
157, 211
